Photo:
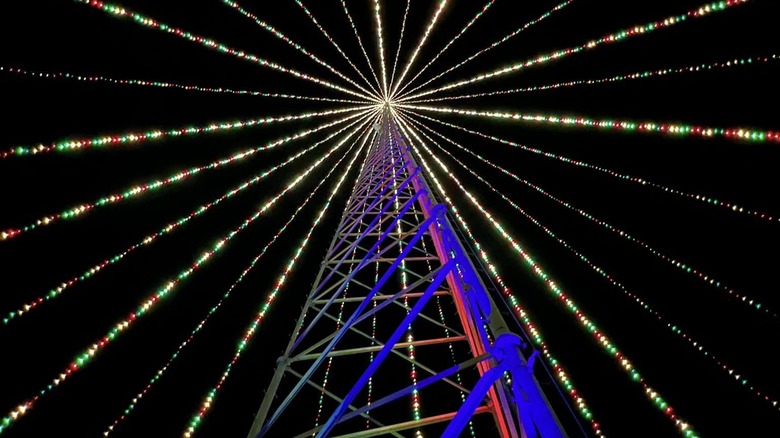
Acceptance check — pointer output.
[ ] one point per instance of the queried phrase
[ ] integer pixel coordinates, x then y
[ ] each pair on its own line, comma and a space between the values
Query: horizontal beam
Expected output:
378, 297
375, 348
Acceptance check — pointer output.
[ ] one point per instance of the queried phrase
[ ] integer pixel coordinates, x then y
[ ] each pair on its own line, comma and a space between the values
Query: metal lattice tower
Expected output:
399, 320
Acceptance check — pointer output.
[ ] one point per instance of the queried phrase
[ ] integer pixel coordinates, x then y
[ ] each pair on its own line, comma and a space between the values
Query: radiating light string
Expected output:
694, 68
78, 211
588, 325
403, 96
381, 44
86, 356
122, 12
426, 34
375, 94
447, 46
739, 296
560, 372
151, 238
619, 36
168, 85
709, 200
159, 373
288, 40
677, 130
208, 400
400, 40
74, 144
674, 328
360, 43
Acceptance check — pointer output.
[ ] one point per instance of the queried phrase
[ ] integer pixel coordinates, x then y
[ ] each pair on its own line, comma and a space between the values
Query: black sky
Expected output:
45, 35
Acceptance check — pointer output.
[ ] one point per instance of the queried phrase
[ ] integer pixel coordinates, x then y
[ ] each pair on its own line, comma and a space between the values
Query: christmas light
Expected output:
208, 400
151, 238
122, 12
400, 40
297, 46
381, 43
588, 325
752, 303
560, 372
375, 93
674, 328
159, 373
697, 68
431, 24
490, 47
447, 46
170, 85
360, 42
750, 135
622, 35
709, 200
89, 353
72, 144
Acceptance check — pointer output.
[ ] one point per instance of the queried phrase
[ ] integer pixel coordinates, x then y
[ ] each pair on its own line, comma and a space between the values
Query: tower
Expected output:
399, 334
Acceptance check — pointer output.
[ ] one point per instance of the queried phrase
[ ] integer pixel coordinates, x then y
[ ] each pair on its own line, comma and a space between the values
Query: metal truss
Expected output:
399, 334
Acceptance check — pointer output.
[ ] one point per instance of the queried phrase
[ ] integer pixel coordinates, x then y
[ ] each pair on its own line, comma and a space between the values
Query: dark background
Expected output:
737, 249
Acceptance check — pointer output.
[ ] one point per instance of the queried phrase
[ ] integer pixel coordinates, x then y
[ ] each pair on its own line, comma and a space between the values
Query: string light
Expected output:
122, 12
378, 18
89, 353
400, 40
737, 62
80, 210
159, 373
73, 144
674, 328
360, 42
434, 19
151, 238
729, 206
490, 47
752, 303
447, 46
208, 400
588, 325
560, 372
159, 84
701, 11
375, 93
756, 136
297, 46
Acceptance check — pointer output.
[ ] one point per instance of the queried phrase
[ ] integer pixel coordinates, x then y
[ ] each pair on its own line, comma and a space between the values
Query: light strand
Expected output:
160, 84
151, 238
615, 37
738, 377
709, 200
696, 68
159, 373
569, 304
78, 211
687, 268
89, 353
520, 29
375, 93
297, 46
560, 372
677, 130
447, 46
107, 140
381, 43
360, 42
208, 399
122, 12
431, 24
400, 40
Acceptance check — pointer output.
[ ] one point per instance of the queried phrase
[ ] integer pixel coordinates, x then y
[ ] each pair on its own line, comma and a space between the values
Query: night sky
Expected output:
732, 247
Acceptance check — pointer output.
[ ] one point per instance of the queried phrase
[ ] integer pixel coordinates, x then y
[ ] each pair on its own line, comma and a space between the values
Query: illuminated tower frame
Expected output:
391, 193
